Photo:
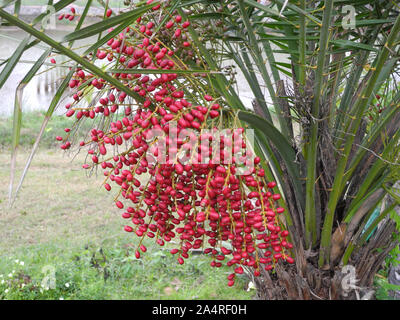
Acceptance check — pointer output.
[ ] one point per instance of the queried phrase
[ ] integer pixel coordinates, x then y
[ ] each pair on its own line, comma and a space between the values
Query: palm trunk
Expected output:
305, 281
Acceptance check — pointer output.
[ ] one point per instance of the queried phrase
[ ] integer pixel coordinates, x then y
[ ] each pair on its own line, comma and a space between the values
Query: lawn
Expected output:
64, 227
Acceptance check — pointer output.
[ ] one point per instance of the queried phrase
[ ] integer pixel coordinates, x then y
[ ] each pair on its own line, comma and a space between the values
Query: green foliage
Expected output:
392, 260
111, 272
383, 288
31, 123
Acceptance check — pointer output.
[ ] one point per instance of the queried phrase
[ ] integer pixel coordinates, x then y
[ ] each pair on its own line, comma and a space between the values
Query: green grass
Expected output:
383, 287
31, 124
111, 272
66, 223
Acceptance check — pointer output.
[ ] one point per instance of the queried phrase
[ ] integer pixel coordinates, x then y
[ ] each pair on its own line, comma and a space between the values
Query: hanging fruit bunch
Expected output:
182, 170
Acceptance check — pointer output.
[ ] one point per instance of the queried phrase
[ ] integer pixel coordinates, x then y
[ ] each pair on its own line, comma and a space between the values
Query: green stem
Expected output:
256, 54
302, 47
312, 147
350, 248
375, 171
69, 53
341, 167
220, 80
371, 138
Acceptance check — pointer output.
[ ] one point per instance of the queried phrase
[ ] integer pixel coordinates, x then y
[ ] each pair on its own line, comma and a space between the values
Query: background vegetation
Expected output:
64, 221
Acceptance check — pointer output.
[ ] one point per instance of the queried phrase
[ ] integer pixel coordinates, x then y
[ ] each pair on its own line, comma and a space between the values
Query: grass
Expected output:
31, 123
384, 288
64, 224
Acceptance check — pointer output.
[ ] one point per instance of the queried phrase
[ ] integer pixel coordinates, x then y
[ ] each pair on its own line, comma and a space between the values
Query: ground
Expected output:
66, 223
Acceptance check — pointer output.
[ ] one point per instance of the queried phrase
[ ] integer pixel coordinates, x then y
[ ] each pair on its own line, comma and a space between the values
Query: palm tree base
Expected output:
305, 281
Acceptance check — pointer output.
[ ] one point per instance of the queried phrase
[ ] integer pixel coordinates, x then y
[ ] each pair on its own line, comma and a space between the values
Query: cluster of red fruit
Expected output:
203, 202
71, 16
375, 110
68, 16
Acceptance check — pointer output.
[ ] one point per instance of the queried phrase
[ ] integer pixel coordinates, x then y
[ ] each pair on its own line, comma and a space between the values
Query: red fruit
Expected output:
100, 55
269, 267
289, 260
72, 84
102, 149
276, 196
214, 114
180, 195
213, 215
81, 74
271, 185
277, 256
178, 33
200, 217
280, 210
119, 204
239, 270
109, 13
284, 233
70, 112
128, 228
126, 215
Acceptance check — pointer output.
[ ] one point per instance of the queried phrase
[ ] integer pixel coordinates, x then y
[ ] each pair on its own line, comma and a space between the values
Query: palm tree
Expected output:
326, 118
